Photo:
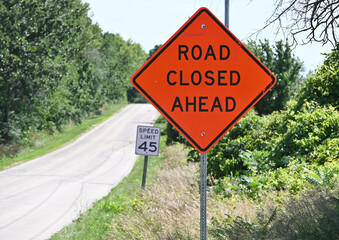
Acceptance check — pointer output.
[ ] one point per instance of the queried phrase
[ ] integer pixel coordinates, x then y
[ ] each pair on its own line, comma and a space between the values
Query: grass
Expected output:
312, 215
169, 209
95, 223
44, 142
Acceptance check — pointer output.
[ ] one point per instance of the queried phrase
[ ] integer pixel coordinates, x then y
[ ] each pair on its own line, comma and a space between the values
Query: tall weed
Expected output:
313, 215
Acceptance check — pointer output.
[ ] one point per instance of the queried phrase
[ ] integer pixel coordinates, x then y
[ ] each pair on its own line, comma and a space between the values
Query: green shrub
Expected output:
173, 136
281, 151
274, 141
297, 176
305, 132
322, 86
328, 151
133, 96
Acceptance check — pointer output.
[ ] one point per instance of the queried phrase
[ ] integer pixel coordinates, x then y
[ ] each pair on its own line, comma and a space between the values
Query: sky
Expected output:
152, 22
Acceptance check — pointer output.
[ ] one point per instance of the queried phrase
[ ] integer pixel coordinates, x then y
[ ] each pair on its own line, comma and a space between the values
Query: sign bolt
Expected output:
203, 134
203, 26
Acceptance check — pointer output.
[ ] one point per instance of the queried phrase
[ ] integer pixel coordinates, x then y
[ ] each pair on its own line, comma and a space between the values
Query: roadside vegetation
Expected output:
272, 176
57, 69
286, 163
44, 141
96, 222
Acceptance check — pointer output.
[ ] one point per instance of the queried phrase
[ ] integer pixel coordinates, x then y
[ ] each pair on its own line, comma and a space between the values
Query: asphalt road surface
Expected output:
39, 197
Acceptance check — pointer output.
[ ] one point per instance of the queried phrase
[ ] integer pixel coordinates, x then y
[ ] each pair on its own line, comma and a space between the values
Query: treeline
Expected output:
56, 66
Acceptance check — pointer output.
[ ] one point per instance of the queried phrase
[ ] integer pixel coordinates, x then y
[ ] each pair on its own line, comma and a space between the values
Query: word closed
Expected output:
206, 78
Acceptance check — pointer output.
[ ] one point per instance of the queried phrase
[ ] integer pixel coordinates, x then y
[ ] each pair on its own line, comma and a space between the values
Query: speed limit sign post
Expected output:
147, 144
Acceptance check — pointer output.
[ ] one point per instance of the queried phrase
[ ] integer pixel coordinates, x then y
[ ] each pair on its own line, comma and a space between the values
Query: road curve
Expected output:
39, 197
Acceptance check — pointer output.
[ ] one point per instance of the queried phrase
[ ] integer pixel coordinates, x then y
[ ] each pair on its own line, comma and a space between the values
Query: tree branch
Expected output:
316, 18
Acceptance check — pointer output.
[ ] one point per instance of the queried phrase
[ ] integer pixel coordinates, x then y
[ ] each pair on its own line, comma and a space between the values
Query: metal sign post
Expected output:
203, 198
144, 173
227, 13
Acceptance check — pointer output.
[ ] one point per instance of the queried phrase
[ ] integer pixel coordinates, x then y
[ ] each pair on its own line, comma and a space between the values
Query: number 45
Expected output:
152, 146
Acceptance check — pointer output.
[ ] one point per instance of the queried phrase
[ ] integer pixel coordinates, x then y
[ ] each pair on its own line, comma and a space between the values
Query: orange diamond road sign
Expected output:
203, 80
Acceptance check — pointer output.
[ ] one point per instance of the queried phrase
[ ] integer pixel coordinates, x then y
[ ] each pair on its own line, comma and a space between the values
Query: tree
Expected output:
37, 38
154, 50
317, 18
121, 59
322, 87
56, 66
285, 66
133, 95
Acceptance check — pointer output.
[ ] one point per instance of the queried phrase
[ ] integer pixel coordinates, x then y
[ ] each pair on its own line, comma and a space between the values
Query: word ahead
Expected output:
203, 80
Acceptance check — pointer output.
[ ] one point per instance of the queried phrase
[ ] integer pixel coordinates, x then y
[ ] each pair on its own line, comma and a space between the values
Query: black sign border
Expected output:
161, 50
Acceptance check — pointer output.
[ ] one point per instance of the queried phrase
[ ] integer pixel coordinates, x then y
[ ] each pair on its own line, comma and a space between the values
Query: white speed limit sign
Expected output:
147, 142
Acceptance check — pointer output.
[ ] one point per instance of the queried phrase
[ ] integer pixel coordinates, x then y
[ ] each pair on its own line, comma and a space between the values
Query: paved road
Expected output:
41, 196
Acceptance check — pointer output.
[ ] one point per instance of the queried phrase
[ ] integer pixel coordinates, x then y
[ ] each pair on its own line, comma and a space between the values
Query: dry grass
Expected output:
167, 209
170, 209
313, 215
9, 150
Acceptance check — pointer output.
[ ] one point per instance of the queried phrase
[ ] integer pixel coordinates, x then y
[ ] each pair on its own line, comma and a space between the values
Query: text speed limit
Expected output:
147, 142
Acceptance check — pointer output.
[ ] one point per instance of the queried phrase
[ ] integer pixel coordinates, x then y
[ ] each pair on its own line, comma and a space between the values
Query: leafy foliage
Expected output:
133, 95
282, 151
57, 66
286, 150
285, 66
322, 86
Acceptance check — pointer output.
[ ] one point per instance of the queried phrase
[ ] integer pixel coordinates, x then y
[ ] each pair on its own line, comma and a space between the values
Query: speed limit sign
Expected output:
147, 142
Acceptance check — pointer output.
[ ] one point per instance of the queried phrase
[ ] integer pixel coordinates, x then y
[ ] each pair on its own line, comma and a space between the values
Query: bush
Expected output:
296, 177
133, 96
322, 86
283, 151
173, 136
274, 141
305, 132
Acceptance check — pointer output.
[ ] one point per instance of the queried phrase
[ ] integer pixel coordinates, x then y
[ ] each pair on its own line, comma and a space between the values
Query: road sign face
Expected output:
203, 80
148, 139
